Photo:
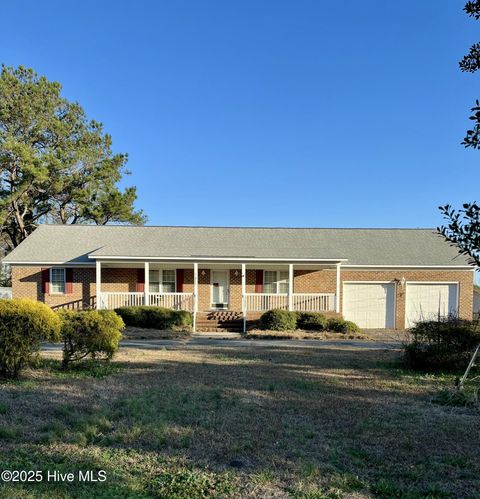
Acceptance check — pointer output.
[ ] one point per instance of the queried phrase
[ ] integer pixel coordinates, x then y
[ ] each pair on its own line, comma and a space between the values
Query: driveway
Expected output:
196, 341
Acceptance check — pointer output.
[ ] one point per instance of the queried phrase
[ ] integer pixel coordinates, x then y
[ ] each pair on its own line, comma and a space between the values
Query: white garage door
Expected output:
369, 305
429, 301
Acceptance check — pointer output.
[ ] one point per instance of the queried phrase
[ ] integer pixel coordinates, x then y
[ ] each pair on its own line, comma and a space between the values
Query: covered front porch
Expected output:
248, 287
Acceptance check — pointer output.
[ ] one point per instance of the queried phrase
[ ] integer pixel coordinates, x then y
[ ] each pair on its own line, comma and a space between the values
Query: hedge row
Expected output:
445, 344
24, 324
155, 317
283, 320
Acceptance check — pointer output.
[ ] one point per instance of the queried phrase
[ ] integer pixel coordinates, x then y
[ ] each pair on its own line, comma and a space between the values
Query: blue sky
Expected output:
273, 113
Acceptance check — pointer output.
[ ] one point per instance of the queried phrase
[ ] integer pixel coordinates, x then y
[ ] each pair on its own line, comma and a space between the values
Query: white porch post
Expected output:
98, 283
244, 298
290, 286
147, 284
337, 292
195, 294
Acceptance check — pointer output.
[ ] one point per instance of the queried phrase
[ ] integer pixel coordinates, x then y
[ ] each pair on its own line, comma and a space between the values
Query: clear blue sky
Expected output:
274, 113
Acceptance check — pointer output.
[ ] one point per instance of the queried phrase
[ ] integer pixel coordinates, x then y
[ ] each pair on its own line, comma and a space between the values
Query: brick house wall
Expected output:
27, 283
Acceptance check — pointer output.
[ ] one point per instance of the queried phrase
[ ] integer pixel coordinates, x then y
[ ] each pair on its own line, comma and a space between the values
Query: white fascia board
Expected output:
220, 259
67, 264
406, 267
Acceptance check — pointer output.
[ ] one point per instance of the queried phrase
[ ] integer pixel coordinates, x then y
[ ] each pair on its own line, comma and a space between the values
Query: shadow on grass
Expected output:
306, 422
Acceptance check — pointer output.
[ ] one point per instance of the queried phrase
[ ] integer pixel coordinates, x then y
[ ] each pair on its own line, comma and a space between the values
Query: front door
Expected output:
219, 288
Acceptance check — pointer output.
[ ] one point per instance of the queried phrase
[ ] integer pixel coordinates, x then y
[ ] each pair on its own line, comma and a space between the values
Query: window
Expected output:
168, 281
162, 281
154, 281
57, 281
275, 281
283, 282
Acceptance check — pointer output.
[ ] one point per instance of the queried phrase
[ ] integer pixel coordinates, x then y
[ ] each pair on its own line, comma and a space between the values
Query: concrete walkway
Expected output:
200, 341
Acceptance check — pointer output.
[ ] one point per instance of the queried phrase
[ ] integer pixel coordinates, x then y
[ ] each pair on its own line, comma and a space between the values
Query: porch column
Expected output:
146, 291
195, 294
337, 292
244, 298
98, 283
290, 286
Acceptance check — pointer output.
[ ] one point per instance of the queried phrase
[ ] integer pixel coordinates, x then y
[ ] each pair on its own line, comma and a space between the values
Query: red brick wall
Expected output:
27, 283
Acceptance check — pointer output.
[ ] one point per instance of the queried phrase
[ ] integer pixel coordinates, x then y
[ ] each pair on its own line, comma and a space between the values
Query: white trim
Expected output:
227, 272
391, 281
431, 282
63, 264
452, 267
98, 284
219, 259
337, 290
146, 283
290, 286
244, 287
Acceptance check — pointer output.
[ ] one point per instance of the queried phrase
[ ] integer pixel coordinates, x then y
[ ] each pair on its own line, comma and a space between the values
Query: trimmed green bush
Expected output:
278, 320
441, 345
311, 321
23, 325
94, 333
155, 317
342, 326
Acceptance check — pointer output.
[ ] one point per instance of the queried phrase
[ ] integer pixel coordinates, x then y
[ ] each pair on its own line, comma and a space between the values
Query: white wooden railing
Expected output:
175, 301
260, 302
116, 300
301, 302
313, 302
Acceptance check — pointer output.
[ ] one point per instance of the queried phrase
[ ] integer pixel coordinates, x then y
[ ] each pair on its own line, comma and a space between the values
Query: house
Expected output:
378, 278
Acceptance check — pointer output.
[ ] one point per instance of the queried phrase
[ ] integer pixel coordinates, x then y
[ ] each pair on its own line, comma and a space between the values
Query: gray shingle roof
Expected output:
74, 244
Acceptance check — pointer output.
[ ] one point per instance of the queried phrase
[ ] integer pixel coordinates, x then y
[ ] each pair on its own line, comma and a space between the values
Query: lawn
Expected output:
304, 422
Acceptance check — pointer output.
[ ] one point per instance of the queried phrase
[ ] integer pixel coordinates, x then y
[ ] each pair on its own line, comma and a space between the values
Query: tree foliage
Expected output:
462, 228
56, 165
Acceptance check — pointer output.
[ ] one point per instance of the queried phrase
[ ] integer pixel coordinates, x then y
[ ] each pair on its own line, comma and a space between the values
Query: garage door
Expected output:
369, 305
429, 301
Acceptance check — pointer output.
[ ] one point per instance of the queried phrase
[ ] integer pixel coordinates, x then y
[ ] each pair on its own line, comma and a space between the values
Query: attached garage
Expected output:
370, 305
426, 301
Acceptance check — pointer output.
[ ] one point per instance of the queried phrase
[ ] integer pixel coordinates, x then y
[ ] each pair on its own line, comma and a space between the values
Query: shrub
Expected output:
155, 317
342, 326
311, 321
23, 325
444, 344
278, 320
93, 332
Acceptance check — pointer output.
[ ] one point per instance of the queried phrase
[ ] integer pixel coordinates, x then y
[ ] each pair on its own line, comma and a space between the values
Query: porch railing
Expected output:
301, 302
175, 301
110, 301
259, 302
313, 302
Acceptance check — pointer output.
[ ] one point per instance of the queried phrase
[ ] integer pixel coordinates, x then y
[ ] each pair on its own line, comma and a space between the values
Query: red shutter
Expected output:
68, 281
259, 281
141, 281
46, 281
180, 280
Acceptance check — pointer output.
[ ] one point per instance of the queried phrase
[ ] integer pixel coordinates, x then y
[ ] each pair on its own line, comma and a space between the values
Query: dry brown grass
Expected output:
141, 333
299, 334
243, 421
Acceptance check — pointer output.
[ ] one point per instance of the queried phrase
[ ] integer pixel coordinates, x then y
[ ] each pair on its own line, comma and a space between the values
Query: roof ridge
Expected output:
234, 227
